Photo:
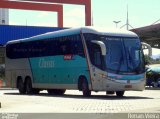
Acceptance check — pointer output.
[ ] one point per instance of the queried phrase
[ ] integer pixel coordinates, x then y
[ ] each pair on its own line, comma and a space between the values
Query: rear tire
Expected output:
120, 93
21, 86
29, 89
85, 88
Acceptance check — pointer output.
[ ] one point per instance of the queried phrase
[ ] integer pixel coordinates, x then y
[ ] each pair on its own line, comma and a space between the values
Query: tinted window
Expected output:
46, 47
77, 46
94, 51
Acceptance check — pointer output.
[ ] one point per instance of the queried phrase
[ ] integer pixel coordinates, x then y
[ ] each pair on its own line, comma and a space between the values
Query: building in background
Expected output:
4, 16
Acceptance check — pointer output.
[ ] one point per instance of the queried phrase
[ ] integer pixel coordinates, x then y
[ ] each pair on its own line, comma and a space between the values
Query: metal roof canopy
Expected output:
149, 34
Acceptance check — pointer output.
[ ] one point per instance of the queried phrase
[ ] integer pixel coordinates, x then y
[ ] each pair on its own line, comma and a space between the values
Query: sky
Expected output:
104, 12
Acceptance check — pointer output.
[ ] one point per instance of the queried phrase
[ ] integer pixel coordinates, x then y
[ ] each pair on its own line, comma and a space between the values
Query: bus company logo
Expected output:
46, 63
68, 57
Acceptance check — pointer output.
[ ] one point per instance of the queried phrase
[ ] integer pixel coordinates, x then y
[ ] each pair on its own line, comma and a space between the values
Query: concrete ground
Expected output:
72, 104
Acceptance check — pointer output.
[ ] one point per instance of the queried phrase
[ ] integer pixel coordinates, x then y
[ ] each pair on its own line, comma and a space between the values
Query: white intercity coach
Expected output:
86, 59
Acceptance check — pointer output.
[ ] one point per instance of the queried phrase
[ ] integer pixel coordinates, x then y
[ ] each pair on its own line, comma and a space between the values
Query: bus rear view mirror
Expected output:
102, 45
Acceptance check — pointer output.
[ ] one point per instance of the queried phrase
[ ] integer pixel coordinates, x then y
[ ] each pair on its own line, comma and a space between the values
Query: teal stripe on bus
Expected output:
56, 70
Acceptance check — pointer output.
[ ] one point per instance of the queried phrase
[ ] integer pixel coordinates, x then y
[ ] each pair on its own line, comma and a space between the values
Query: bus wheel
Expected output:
119, 93
56, 91
21, 86
85, 88
29, 89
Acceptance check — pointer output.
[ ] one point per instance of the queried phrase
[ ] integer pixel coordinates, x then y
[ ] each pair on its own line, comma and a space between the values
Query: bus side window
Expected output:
65, 46
97, 60
95, 55
77, 46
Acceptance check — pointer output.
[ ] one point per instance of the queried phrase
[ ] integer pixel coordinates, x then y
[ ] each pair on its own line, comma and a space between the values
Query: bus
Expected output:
86, 59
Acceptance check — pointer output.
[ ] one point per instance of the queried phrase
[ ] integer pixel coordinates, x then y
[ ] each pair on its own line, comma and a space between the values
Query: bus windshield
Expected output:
124, 54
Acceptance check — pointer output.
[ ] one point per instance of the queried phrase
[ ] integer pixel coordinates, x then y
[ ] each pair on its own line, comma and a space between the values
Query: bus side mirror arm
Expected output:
102, 45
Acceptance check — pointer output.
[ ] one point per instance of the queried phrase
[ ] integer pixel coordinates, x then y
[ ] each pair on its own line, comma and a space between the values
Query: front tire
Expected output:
85, 88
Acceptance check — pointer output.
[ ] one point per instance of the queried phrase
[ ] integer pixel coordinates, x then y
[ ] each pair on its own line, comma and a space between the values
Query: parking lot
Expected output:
73, 102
